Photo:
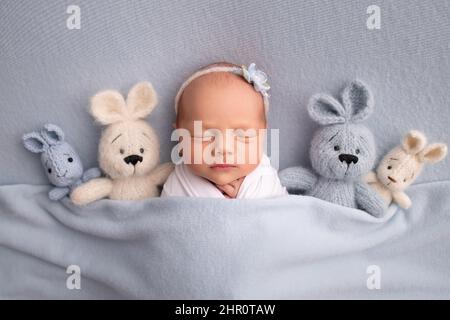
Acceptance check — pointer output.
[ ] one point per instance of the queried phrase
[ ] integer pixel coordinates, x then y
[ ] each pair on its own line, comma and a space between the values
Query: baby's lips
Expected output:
222, 166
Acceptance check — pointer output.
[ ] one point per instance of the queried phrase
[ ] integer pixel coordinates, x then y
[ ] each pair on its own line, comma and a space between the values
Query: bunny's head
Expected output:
128, 145
61, 162
402, 165
342, 148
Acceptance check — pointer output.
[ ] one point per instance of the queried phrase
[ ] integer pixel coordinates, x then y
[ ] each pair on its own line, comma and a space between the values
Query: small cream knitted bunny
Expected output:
128, 150
402, 165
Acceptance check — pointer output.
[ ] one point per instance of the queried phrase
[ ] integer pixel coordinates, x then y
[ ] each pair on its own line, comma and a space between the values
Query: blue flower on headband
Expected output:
256, 77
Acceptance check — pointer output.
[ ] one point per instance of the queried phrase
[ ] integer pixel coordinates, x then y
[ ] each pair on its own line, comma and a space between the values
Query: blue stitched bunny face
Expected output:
342, 151
342, 148
61, 162
62, 165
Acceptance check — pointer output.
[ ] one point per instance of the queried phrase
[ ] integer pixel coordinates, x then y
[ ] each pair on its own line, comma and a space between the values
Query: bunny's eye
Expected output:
357, 151
122, 151
404, 180
389, 167
49, 170
142, 150
337, 148
70, 159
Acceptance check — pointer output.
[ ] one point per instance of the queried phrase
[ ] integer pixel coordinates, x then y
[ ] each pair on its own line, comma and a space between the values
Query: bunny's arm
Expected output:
297, 179
369, 201
91, 174
160, 174
401, 199
91, 191
58, 193
371, 177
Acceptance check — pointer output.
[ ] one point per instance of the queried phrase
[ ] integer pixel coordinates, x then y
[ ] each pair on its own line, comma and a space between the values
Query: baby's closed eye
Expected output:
206, 136
241, 135
245, 135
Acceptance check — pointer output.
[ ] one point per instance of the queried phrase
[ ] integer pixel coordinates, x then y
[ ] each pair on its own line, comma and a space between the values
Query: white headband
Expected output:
252, 75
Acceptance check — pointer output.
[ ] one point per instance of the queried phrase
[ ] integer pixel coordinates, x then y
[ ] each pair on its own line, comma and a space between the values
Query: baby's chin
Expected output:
219, 176
223, 178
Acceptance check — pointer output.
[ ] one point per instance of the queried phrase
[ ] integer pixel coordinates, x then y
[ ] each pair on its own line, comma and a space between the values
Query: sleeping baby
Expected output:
221, 125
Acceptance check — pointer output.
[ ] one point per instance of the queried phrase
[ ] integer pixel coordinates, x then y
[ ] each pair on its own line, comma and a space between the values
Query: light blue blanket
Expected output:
287, 248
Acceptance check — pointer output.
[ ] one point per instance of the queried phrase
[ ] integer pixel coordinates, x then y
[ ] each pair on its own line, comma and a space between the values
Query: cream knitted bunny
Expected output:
402, 165
128, 150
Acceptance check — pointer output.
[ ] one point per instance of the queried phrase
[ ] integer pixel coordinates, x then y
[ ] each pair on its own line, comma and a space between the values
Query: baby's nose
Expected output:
224, 144
133, 159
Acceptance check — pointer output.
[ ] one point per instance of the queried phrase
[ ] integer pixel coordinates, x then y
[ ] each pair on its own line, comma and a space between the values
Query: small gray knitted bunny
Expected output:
60, 160
342, 152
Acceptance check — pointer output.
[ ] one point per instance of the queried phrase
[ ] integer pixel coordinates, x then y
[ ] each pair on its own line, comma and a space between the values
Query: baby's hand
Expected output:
231, 189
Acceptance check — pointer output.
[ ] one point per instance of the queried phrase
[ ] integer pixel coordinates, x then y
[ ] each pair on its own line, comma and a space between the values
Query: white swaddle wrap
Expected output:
263, 182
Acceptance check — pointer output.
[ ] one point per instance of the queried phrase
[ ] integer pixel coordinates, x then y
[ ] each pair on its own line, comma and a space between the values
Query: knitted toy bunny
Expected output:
341, 153
128, 150
402, 165
60, 160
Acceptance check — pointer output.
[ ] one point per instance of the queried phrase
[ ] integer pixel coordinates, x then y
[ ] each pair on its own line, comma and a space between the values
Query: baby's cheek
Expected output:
198, 152
246, 169
248, 153
199, 169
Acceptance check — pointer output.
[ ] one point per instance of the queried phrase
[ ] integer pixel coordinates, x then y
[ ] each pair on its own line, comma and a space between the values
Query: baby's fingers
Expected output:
237, 183
227, 190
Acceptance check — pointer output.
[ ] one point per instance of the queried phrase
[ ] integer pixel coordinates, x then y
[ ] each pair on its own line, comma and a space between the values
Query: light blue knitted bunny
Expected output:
60, 160
342, 152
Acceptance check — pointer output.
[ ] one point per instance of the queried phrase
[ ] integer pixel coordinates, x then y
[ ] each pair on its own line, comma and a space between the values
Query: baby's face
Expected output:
231, 107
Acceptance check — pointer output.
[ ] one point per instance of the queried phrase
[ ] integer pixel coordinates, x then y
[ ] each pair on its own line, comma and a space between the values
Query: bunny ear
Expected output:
358, 101
108, 107
141, 100
325, 110
34, 142
52, 134
433, 153
414, 142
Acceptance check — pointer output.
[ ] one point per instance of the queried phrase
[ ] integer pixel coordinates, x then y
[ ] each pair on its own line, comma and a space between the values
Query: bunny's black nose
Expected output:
349, 158
133, 159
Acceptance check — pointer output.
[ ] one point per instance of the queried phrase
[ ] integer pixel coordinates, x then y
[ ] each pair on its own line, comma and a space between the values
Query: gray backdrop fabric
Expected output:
291, 247
48, 72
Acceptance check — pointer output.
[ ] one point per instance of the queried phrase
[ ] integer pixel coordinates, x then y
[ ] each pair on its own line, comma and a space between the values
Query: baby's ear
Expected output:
414, 142
325, 110
141, 100
108, 107
52, 134
433, 153
358, 101
34, 142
